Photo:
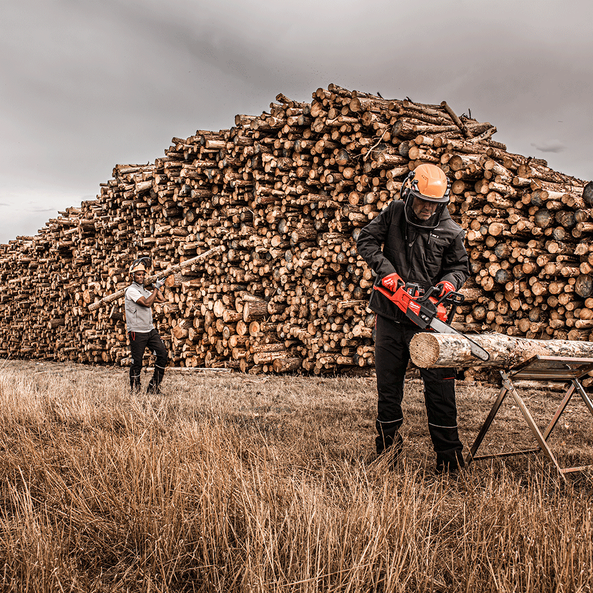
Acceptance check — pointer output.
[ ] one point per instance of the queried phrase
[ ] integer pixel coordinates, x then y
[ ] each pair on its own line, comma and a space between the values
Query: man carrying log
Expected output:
141, 330
414, 240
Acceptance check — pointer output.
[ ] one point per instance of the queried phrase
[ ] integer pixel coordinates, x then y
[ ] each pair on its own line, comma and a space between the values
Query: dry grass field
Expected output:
231, 482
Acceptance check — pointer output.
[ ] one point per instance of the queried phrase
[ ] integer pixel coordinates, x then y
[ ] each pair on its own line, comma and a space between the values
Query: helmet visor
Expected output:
415, 193
423, 214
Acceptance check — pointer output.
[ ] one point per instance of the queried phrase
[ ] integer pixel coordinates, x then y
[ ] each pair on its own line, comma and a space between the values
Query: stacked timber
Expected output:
283, 196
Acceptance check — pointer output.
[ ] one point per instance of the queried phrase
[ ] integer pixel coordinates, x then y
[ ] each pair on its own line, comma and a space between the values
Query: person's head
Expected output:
138, 270
426, 194
139, 276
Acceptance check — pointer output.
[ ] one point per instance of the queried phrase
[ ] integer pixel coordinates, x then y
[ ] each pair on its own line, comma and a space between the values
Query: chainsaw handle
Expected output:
449, 298
452, 298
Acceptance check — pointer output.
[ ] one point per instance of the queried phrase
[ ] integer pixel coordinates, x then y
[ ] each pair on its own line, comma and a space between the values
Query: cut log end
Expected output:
426, 350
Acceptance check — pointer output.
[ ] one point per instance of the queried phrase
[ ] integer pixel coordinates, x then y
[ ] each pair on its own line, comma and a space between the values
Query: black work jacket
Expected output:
389, 244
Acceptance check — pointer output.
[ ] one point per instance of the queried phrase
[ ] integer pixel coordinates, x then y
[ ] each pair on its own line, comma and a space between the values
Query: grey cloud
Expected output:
41, 209
549, 146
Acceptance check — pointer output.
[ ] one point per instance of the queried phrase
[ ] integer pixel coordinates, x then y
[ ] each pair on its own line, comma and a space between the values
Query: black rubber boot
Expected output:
134, 379
450, 461
390, 447
154, 385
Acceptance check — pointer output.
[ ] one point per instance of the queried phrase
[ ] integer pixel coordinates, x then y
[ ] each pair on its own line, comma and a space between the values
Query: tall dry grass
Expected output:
234, 483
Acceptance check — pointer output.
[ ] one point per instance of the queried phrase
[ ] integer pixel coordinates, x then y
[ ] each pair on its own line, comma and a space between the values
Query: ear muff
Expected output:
406, 186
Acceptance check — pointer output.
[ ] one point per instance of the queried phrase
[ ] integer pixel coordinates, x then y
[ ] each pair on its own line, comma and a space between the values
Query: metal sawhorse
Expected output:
539, 368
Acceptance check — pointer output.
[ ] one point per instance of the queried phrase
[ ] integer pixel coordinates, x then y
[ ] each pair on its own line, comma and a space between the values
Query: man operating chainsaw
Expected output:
414, 246
141, 331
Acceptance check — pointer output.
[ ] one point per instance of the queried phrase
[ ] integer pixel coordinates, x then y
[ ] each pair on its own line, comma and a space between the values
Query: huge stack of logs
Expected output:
284, 195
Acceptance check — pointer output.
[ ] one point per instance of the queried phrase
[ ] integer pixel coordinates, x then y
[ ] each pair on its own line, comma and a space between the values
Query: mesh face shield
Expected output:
427, 225
140, 265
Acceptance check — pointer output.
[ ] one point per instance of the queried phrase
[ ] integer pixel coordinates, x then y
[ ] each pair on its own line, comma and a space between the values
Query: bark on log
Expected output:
154, 277
431, 350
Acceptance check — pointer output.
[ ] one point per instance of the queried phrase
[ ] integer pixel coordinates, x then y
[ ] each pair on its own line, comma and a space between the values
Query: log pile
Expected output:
284, 196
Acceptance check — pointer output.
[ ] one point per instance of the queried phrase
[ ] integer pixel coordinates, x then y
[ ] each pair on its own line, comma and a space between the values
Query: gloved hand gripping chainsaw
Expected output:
427, 310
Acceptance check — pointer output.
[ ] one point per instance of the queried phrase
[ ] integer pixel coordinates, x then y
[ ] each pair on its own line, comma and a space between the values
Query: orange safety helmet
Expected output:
427, 182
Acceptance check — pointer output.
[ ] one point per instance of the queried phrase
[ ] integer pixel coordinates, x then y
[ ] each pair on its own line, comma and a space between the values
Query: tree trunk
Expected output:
431, 350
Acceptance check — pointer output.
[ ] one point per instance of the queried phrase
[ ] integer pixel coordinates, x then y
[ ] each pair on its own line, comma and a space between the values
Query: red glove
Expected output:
444, 287
392, 282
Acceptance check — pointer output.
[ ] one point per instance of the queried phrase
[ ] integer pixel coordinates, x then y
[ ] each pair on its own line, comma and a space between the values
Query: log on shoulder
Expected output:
430, 350
172, 270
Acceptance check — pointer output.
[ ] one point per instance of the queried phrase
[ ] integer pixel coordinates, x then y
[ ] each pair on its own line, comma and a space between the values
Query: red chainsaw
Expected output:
428, 311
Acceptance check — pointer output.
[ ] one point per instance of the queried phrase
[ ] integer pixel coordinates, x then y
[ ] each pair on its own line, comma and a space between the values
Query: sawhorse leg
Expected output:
486, 425
508, 387
531, 423
576, 386
567, 397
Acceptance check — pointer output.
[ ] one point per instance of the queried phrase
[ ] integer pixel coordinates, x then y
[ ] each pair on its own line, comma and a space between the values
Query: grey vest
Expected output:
138, 318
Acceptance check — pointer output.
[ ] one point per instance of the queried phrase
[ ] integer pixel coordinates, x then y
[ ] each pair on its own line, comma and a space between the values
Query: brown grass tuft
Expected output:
241, 483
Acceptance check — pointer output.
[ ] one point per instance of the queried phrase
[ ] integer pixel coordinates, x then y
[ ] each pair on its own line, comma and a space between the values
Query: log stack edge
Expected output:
285, 195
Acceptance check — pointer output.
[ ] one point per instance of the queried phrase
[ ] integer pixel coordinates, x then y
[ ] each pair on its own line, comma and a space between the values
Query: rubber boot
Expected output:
391, 447
450, 461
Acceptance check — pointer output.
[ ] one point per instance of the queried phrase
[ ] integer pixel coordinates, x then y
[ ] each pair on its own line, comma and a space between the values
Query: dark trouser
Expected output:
391, 360
138, 343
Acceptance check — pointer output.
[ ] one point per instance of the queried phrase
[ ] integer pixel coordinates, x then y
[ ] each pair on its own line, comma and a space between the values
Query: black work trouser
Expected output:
392, 355
138, 344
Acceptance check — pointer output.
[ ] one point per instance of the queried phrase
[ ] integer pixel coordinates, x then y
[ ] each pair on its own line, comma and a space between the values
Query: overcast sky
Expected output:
87, 84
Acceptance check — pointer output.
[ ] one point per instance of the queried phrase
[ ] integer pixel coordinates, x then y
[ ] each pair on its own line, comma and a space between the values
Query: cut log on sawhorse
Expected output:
538, 368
